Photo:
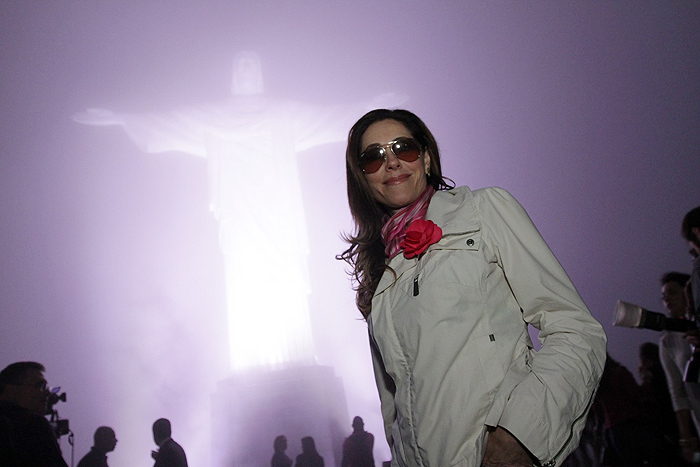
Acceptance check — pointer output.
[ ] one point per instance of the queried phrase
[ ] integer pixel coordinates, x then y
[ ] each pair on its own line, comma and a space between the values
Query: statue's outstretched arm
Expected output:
180, 130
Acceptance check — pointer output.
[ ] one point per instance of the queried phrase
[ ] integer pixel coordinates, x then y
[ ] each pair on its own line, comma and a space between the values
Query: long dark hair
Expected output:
366, 252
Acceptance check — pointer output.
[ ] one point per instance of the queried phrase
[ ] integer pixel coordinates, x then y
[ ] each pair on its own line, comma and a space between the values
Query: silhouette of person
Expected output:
655, 398
309, 457
357, 448
26, 437
674, 352
690, 230
633, 439
250, 143
104, 441
279, 458
170, 453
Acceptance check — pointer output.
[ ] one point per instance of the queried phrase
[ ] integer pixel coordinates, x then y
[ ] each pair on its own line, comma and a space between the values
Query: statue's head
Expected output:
247, 74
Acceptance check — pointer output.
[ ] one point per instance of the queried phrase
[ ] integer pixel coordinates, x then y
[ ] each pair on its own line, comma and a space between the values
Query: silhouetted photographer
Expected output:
634, 316
26, 436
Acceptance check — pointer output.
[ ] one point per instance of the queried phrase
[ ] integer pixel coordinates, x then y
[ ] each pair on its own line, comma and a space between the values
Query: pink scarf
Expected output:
394, 230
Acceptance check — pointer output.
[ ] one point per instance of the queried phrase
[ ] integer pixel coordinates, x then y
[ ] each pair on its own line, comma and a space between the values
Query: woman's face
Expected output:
397, 183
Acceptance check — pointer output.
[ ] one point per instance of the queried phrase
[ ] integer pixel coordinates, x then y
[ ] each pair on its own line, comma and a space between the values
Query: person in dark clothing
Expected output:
26, 437
279, 458
655, 398
170, 453
105, 441
357, 448
309, 457
633, 439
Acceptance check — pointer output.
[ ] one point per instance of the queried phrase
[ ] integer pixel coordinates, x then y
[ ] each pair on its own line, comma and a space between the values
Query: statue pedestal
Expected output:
250, 409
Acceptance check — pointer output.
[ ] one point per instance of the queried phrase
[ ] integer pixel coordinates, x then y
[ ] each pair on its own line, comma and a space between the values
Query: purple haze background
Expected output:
111, 275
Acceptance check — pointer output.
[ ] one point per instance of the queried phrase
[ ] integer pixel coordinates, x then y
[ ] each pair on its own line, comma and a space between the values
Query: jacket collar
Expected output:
454, 211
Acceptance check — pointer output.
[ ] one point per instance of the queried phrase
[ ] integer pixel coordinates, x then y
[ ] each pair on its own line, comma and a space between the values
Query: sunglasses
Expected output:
406, 149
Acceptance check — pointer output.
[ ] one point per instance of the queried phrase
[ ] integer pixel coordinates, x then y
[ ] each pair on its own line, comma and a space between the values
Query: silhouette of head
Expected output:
649, 354
358, 424
105, 439
247, 74
280, 444
161, 430
308, 446
23, 383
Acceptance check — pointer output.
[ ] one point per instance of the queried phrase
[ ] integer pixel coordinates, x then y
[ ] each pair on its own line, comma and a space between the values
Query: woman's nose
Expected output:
391, 160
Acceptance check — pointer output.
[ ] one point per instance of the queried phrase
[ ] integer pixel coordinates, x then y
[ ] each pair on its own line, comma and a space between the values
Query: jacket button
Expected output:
470, 242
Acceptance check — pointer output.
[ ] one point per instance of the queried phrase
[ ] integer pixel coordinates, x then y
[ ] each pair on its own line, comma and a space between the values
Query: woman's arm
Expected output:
546, 410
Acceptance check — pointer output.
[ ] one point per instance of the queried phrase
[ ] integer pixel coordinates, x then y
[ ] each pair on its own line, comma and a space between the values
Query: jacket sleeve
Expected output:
386, 391
546, 407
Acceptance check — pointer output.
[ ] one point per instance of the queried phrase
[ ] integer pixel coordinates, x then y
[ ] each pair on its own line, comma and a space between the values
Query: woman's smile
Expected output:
396, 180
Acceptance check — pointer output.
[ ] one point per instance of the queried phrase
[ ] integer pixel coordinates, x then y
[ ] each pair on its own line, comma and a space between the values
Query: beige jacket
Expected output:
451, 350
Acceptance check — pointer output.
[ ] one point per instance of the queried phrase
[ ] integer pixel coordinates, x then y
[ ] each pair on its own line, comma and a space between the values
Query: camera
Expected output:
60, 426
54, 398
633, 316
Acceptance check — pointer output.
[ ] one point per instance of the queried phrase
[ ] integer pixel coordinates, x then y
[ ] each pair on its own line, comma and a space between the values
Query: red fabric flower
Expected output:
419, 236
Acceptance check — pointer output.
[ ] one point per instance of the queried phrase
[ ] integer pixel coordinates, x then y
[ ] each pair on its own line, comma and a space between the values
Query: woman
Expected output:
309, 457
279, 458
448, 280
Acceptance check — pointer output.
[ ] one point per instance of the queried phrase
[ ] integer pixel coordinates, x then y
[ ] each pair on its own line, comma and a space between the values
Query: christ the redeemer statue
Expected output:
250, 143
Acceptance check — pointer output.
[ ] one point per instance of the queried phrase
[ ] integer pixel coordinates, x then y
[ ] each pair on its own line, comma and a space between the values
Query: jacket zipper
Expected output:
419, 267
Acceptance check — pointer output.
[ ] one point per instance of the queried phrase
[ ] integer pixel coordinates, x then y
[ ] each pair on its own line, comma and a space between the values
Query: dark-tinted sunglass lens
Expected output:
406, 150
371, 160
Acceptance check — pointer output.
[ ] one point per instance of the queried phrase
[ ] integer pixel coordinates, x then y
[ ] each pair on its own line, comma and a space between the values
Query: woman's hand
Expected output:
504, 450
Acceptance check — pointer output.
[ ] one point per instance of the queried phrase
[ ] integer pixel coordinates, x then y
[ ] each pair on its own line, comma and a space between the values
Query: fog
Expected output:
111, 273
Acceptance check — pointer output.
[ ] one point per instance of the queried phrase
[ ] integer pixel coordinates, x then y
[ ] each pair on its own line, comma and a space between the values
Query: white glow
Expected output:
250, 143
